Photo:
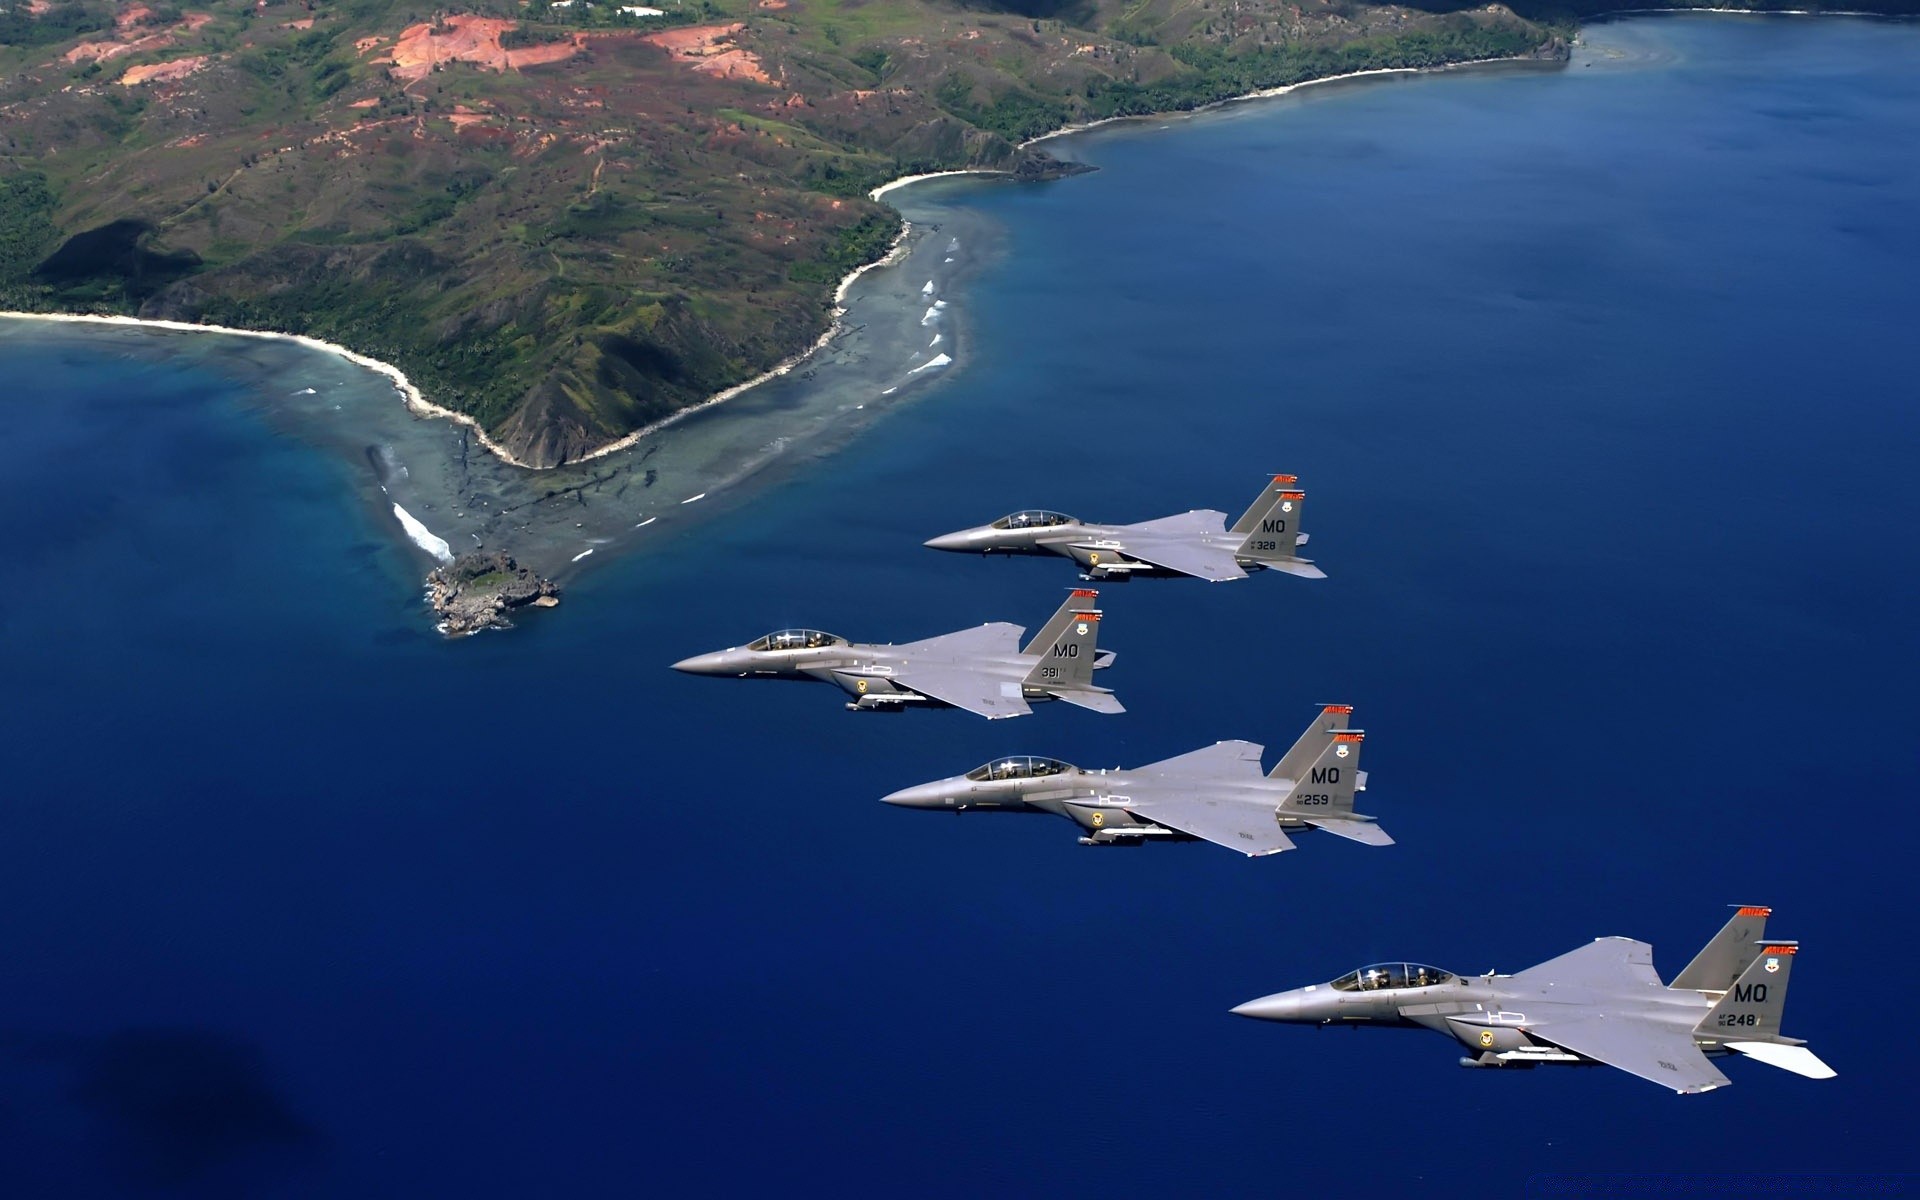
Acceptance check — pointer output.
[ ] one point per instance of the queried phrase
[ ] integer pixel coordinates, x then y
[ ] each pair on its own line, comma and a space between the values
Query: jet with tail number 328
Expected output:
1198, 543
1602, 1003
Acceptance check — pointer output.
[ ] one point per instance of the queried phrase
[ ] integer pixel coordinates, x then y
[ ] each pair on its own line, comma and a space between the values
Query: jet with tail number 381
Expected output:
1602, 1003
984, 670
1216, 795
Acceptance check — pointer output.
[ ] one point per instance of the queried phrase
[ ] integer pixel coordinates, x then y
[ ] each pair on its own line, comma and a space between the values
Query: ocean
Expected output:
1601, 384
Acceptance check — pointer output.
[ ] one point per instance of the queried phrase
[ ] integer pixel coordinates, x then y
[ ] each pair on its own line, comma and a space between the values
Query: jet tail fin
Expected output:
1319, 735
1750, 1010
1327, 787
1729, 954
1078, 600
1270, 530
1067, 661
1268, 497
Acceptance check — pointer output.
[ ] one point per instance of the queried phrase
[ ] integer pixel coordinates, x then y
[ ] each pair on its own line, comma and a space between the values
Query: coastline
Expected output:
836, 325
417, 403
411, 396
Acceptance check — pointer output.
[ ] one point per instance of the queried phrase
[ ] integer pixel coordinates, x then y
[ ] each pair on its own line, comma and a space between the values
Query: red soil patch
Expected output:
114, 48
469, 39
305, 23
165, 72
127, 42
706, 48
369, 102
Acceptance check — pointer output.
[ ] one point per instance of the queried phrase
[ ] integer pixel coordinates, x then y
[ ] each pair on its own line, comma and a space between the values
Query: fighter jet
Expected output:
1216, 794
1602, 1003
983, 670
1198, 543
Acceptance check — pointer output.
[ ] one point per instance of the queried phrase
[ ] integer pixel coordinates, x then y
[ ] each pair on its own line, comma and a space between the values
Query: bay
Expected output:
1599, 382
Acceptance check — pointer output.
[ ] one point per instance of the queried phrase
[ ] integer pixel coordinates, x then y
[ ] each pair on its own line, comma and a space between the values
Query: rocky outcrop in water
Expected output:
476, 591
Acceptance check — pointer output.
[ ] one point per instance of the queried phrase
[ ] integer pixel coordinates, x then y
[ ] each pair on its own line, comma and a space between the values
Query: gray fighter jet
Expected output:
1216, 794
984, 670
1602, 1003
1198, 543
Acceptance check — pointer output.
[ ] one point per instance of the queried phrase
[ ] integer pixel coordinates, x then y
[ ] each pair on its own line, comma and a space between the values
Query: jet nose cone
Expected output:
1282, 1006
922, 795
720, 662
963, 539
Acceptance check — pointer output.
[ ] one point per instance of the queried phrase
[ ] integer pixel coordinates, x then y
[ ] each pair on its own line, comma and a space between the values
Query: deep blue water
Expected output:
1602, 386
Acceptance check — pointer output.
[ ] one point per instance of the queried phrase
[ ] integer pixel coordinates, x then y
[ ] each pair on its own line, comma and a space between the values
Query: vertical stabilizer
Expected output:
1319, 735
1327, 787
1272, 535
1729, 954
1068, 661
1268, 498
1750, 1010
1078, 600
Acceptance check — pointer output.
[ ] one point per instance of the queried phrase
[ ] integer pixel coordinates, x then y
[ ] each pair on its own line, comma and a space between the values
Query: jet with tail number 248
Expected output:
1602, 1003
984, 670
1217, 794
1198, 543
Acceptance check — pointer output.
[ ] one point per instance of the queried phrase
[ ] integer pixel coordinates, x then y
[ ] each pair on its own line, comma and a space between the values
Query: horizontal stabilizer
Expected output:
1304, 568
1798, 1059
1365, 832
1100, 702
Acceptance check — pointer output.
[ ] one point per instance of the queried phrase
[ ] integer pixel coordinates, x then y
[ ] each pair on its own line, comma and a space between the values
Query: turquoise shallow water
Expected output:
1600, 384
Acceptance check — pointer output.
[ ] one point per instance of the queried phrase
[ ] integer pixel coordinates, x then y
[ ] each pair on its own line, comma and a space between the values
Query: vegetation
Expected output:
570, 220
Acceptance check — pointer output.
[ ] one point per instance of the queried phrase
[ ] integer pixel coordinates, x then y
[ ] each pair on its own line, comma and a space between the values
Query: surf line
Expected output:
416, 402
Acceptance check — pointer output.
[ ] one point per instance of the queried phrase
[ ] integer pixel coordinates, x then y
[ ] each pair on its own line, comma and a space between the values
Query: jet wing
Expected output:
977, 693
1179, 543
982, 641
1198, 523
1212, 563
1222, 760
1610, 963
1240, 825
1183, 800
1656, 1053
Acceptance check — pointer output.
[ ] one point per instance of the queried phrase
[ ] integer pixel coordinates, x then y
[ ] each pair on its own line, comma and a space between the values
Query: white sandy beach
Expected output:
410, 395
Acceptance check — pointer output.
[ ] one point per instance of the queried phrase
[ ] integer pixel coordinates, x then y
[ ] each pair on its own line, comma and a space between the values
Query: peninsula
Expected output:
568, 221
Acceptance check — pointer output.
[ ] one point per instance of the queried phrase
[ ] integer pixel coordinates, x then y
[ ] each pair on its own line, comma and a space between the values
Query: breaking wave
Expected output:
423, 537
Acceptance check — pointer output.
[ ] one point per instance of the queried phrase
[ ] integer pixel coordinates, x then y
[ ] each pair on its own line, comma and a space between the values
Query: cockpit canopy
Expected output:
1034, 518
1382, 976
1019, 766
797, 639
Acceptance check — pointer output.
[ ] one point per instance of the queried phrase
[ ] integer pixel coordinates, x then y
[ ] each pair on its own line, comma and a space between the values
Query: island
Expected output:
568, 221
476, 591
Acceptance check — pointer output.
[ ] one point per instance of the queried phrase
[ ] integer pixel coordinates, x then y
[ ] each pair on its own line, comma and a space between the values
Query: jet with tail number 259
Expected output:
1217, 794
1198, 543
1602, 1003
984, 670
